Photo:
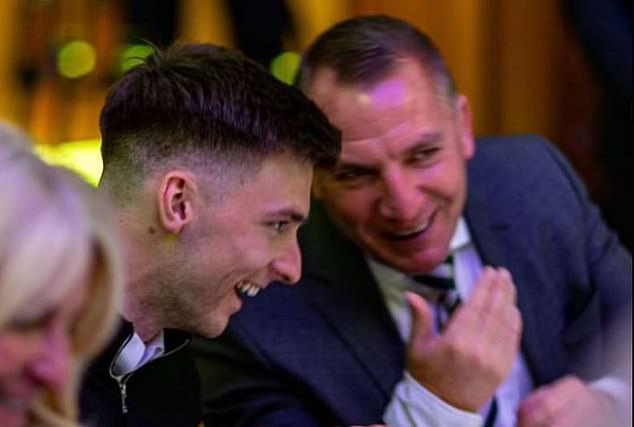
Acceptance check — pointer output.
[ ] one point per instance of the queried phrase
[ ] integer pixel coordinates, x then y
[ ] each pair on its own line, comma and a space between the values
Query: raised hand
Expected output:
466, 363
568, 402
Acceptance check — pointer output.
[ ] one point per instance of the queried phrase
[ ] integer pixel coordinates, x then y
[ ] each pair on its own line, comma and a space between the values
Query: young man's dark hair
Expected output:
209, 106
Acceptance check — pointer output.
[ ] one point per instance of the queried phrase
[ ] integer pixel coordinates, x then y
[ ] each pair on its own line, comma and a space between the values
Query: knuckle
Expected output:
515, 320
458, 350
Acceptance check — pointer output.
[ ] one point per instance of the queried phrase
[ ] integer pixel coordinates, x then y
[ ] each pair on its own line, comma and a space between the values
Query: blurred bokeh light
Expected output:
83, 157
76, 59
284, 66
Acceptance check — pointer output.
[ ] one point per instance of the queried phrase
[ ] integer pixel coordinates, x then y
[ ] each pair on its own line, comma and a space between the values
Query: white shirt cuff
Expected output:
414, 406
617, 389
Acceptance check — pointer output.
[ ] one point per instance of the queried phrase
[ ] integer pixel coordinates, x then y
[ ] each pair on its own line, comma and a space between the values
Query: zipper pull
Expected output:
124, 406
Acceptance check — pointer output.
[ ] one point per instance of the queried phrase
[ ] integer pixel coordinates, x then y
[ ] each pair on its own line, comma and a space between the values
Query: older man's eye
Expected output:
425, 154
350, 175
279, 226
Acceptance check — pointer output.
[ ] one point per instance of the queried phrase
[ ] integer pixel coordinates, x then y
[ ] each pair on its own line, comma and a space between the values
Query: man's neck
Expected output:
146, 328
139, 306
145, 331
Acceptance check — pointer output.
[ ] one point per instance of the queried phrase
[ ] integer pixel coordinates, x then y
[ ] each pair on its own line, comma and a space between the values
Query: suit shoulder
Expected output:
522, 157
519, 147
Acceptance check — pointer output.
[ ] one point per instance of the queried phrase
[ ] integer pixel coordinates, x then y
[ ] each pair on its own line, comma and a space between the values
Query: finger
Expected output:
421, 319
533, 418
482, 293
544, 407
506, 281
564, 394
529, 412
494, 307
502, 292
511, 318
501, 313
513, 325
467, 319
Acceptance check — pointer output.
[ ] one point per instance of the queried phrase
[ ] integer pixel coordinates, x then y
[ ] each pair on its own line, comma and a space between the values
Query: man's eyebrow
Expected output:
291, 213
426, 138
423, 140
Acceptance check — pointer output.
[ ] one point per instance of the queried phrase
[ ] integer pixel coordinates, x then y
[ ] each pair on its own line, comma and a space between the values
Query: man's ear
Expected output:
463, 111
176, 200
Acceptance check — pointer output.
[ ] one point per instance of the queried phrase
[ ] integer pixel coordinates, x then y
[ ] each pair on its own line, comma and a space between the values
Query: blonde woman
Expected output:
60, 285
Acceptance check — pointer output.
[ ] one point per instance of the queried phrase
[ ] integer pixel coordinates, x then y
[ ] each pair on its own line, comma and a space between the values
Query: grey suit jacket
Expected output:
326, 352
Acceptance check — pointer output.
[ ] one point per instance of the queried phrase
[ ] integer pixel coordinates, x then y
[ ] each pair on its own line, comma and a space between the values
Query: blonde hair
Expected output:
52, 233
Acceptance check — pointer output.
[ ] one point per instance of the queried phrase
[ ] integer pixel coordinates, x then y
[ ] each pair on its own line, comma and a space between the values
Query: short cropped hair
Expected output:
206, 104
365, 49
54, 232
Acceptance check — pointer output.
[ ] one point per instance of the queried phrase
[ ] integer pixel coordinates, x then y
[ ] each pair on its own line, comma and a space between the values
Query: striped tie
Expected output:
443, 291
448, 299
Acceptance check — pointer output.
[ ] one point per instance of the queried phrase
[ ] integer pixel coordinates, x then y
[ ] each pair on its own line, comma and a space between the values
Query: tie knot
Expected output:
439, 283
441, 278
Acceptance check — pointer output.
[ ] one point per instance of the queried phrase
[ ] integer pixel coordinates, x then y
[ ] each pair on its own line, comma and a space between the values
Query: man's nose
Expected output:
288, 266
399, 195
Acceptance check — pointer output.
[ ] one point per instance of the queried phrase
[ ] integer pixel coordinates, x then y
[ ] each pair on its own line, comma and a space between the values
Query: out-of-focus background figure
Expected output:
60, 284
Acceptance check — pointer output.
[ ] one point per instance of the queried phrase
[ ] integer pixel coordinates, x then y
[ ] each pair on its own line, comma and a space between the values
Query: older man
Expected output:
422, 247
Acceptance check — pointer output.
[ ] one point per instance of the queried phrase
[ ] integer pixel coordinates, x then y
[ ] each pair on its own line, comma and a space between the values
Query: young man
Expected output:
495, 222
208, 161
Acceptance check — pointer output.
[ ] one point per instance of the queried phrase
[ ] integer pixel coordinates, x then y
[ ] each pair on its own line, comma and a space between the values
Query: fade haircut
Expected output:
363, 50
200, 105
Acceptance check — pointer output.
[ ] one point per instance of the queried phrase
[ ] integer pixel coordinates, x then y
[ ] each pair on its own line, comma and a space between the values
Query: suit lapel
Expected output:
499, 243
347, 296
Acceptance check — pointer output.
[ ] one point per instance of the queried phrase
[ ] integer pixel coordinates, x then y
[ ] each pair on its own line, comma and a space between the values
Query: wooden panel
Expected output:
205, 21
314, 16
10, 104
530, 40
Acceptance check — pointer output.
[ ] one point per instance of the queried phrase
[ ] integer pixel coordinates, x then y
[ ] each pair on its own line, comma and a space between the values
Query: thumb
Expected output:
421, 318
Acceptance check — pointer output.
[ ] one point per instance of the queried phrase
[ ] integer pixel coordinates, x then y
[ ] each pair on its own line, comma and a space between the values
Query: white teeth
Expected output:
420, 228
248, 288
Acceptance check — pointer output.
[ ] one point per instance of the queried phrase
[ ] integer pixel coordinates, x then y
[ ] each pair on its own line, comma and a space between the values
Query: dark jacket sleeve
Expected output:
609, 267
240, 391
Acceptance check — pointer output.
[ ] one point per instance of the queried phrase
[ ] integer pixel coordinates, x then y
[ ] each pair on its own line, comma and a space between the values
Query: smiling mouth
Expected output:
247, 288
410, 233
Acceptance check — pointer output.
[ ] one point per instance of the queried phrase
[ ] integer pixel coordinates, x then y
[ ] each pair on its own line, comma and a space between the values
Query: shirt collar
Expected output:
135, 353
461, 236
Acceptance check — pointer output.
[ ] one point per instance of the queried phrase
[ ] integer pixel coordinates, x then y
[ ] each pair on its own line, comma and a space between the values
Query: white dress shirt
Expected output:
136, 353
